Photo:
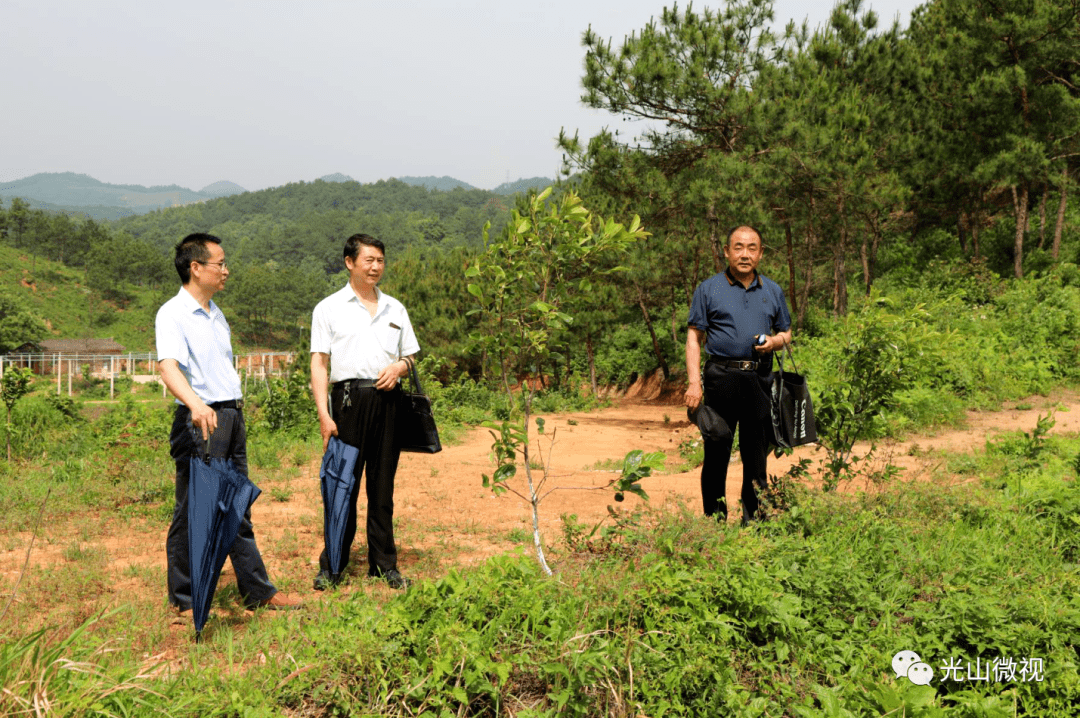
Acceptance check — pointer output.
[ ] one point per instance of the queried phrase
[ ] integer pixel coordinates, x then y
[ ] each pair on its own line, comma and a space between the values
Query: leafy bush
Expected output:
38, 423
286, 405
626, 354
874, 353
568, 397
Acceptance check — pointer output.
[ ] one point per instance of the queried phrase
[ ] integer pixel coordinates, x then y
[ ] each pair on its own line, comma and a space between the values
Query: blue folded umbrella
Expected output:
218, 497
337, 481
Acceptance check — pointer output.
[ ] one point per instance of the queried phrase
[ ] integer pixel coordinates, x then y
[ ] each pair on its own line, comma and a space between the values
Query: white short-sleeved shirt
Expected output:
360, 346
201, 343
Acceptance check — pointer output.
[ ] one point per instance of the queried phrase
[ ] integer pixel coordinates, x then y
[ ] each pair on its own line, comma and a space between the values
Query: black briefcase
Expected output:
415, 429
790, 406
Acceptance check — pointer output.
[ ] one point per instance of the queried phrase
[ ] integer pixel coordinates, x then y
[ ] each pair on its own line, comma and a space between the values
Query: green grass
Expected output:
797, 617
605, 465
658, 613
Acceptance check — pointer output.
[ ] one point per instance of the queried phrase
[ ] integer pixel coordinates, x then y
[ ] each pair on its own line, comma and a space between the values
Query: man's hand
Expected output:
773, 343
388, 377
694, 339
328, 428
204, 418
693, 395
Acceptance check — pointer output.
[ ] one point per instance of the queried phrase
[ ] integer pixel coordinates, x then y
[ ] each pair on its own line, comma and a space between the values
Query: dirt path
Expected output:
444, 516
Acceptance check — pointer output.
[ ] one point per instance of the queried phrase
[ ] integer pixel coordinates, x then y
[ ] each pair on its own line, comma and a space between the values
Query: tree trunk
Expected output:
592, 364
674, 323
714, 240
839, 283
869, 255
864, 259
960, 233
1061, 214
1042, 215
534, 497
652, 332
839, 270
791, 266
1020, 203
873, 256
808, 277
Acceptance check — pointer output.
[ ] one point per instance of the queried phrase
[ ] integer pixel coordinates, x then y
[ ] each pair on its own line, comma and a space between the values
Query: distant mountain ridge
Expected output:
337, 177
443, 183
446, 184
224, 188
82, 194
524, 185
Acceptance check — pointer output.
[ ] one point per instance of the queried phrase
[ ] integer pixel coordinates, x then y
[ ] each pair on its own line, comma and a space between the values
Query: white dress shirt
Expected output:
201, 343
360, 346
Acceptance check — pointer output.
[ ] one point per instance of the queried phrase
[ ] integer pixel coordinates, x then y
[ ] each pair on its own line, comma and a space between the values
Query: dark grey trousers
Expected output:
251, 577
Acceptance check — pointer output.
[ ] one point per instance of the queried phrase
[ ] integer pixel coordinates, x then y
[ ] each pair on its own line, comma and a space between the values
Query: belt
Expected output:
351, 384
230, 404
740, 364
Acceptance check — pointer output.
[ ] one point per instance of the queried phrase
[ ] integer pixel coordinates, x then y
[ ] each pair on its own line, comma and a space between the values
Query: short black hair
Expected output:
192, 248
753, 229
352, 245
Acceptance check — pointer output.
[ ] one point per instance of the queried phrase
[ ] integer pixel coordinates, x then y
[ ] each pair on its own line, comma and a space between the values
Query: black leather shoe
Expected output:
326, 580
394, 579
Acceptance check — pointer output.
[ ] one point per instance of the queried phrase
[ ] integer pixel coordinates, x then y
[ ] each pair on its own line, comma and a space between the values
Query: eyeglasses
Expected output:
222, 265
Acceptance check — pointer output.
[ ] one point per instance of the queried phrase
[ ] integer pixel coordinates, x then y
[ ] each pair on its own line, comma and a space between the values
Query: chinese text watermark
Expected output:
999, 670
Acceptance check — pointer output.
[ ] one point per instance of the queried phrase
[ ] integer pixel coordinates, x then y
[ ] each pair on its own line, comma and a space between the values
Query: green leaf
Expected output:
632, 461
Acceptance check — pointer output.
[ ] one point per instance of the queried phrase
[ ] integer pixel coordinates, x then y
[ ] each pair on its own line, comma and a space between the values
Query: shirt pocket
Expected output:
389, 336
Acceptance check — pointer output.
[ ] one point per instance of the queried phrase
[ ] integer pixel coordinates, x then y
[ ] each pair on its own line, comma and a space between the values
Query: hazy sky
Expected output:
265, 93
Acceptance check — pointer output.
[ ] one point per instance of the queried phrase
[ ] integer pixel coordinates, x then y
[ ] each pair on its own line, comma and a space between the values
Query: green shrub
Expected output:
626, 354
39, 424
286, 405
875, 352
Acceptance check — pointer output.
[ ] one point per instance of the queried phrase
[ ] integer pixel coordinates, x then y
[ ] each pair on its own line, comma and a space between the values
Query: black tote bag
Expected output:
790, 406
415, 428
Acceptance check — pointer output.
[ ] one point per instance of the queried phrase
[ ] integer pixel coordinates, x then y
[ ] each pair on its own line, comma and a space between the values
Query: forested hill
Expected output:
445, 183
304, 220
524, 185
284, 251
519, 186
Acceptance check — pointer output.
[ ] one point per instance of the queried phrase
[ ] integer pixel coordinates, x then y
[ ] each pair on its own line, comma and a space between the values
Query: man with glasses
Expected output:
194, 349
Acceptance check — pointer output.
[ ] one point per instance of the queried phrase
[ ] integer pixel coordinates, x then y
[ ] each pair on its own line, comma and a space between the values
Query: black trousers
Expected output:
251, 576
739, 397
366, 421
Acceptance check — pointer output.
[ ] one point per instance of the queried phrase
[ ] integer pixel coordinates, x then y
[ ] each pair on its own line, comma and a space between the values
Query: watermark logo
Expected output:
908, 663
1000, 670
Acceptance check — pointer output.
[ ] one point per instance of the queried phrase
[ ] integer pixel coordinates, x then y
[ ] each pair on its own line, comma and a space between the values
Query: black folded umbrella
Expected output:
712, 425
337, 480
218, 497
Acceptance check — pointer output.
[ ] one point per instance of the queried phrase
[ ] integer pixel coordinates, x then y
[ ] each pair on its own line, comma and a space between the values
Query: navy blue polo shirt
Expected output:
731, 315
